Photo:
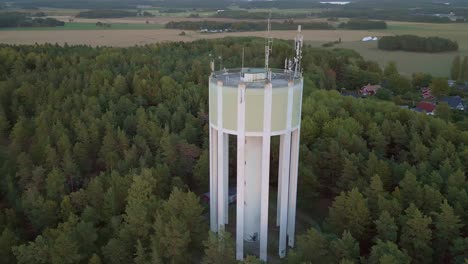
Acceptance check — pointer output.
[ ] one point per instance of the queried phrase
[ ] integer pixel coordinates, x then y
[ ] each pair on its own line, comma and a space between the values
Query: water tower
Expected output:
255, 104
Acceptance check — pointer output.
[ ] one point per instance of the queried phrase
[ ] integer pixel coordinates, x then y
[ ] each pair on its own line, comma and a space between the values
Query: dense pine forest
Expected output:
103, 158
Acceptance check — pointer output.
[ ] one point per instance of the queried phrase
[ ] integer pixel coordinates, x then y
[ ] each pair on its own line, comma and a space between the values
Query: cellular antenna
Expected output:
298, 41
268, 49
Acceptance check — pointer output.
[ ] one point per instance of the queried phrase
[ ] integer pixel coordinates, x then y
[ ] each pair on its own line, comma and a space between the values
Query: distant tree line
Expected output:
243, 14
17, 19
363, 24
106, 14
244, 26
384, 14
416, 43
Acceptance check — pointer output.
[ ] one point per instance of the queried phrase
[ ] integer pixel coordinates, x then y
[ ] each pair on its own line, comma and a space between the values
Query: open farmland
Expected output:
124, 38
437, 64
147, 30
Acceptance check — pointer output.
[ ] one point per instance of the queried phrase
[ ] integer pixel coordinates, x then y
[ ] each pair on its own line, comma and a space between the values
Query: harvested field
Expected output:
125, 38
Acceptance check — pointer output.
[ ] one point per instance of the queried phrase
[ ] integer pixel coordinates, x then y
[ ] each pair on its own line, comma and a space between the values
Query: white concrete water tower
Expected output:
255, 104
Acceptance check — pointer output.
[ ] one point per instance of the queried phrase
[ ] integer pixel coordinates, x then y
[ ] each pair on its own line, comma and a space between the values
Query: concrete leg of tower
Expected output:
286, 163
213, 179
221, 154
265, 180
252, 192
240, 173
226, 178
293, 187
280, 173
284, 194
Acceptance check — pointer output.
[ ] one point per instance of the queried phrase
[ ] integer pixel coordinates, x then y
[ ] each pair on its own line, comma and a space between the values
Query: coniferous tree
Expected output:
312, 246
349, 211
388, 252
447, 230
464, 69
345, 248
416, 235
456, 68
387, 229
219, 248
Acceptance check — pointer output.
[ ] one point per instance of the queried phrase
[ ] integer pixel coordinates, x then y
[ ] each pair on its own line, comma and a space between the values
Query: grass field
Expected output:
438, 64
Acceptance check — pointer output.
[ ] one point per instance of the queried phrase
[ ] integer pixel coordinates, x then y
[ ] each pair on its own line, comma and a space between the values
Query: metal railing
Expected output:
232, 77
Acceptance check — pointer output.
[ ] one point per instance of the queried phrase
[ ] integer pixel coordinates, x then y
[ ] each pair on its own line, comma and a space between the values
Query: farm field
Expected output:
124, 38
141, 31
438, 64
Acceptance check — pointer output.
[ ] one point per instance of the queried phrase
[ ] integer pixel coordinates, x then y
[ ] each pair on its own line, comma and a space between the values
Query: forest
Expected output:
103, 157
417, 44
362, 24
104, 13
17, 19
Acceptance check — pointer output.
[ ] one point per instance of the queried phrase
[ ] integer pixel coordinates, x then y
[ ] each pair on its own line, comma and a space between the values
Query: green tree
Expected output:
390, 69
456, 68
349, 211
439, 87
345, 248
219, 248
416, 235
55, 185
388, 253
179, 227
140, 202
386, 228
464, 69
312, 247
411, 190
8, 239
443, 111
95, 259
447, 230
140, 254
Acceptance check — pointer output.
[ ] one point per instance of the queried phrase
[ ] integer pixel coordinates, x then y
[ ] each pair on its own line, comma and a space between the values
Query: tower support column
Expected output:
265, 180
213, 179
226, 178
221, 153
240, 172
293, 186
286, 158
280, 173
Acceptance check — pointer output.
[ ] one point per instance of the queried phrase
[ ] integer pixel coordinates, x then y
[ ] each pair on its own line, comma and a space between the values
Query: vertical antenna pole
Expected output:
268, 49
298, 41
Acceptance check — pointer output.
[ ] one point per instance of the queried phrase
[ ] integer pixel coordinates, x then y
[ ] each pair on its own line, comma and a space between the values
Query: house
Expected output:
369, 89
425, 107
455, 102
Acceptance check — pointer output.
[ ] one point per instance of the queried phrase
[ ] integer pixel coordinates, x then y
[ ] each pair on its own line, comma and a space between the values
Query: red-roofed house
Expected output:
425, 107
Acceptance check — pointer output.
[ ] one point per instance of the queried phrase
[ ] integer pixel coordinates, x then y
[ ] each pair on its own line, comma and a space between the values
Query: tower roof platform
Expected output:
255, 77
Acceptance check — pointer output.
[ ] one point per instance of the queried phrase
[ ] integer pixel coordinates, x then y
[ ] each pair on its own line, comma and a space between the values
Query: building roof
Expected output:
452, 101
426, 106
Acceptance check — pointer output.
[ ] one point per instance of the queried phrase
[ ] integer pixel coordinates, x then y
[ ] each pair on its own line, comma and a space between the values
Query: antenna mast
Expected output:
298, 41
268, 49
